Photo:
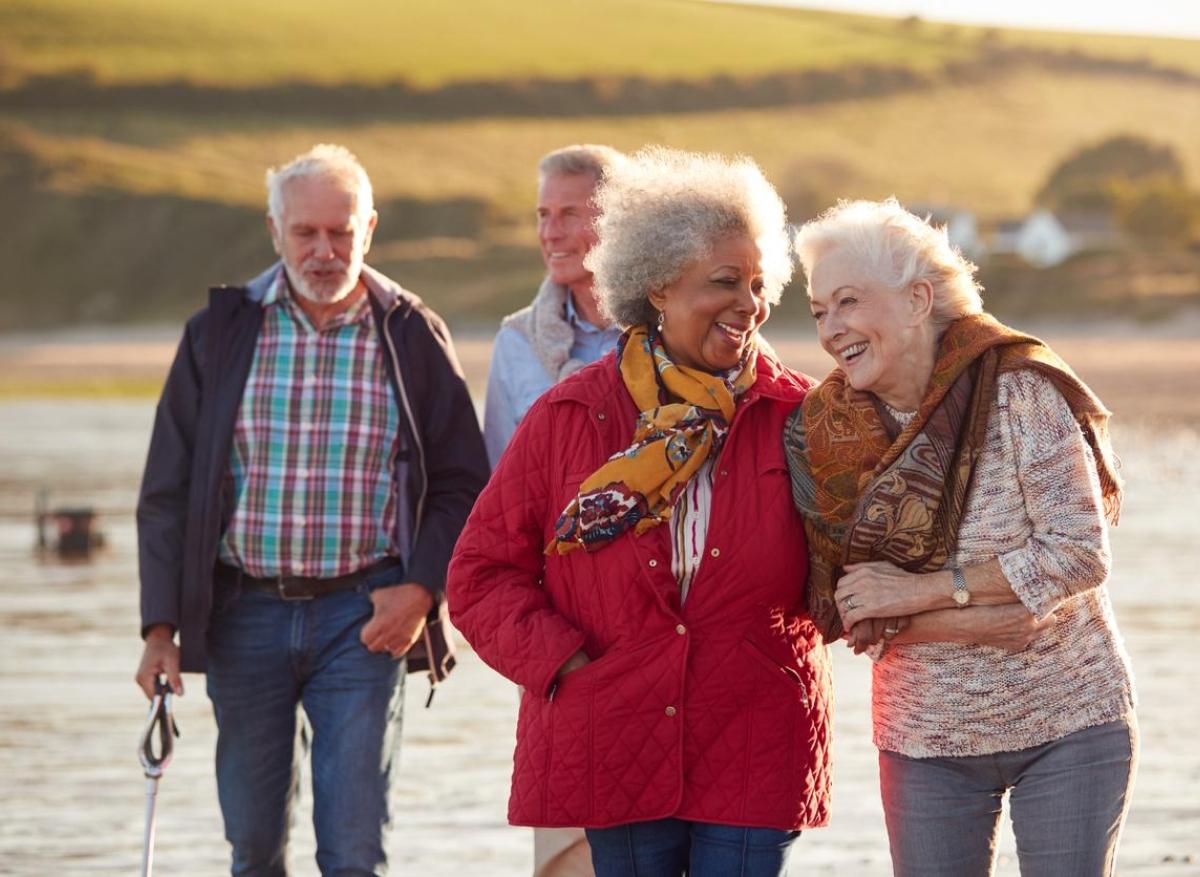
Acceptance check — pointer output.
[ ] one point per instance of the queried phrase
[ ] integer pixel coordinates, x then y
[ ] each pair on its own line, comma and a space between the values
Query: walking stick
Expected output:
162, 719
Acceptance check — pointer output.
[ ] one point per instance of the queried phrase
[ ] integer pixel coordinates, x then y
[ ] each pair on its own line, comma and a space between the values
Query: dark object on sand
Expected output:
74, 531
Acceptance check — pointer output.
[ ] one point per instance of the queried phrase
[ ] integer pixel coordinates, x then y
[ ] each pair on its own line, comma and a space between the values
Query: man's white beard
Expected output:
307, 291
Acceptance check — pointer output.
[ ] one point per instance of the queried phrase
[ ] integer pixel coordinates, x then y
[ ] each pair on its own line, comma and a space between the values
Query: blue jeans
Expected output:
1068, 800
673, 847
266, 656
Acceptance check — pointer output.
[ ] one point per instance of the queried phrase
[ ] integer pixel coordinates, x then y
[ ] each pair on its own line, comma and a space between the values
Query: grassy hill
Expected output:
433, 42
134, 134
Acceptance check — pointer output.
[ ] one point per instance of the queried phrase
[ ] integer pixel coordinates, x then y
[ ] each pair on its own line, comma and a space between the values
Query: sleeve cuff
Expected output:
149, 624
1025, 579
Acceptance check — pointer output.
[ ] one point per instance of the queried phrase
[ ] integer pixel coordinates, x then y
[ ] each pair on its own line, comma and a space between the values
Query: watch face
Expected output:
962, 597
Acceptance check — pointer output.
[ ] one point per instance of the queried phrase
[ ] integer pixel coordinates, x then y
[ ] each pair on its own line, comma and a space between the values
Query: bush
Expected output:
1086, 179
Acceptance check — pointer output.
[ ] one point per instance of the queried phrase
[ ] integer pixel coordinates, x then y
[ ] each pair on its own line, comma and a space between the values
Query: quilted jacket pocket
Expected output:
788, 676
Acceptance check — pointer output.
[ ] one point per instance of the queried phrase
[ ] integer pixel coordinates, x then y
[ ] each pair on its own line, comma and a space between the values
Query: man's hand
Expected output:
399, 618
159, 657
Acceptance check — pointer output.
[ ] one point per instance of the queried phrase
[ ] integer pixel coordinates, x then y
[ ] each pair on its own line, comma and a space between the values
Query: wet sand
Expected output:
71, 800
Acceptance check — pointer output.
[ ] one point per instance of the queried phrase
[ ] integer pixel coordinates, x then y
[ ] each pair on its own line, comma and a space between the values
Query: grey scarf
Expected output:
544, 325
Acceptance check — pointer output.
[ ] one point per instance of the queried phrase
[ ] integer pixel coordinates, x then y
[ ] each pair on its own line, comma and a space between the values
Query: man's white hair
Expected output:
663, 210
324, 160
896, 248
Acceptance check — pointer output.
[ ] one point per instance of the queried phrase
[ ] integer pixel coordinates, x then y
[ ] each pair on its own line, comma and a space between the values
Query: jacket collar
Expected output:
383, 290
257, 289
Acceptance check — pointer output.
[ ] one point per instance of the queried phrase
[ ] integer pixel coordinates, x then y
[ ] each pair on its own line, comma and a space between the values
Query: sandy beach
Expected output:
71, 800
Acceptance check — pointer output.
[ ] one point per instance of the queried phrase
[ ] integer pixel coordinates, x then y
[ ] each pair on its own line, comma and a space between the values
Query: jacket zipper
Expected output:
412, 423
420, 511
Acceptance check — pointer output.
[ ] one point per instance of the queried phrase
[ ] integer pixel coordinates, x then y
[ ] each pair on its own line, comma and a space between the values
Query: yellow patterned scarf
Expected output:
685, 416
865, 495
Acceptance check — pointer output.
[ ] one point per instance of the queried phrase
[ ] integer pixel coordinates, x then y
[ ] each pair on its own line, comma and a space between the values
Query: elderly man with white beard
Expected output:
314, 456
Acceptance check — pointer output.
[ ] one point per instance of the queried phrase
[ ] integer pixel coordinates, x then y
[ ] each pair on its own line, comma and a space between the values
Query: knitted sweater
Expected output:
1034, 504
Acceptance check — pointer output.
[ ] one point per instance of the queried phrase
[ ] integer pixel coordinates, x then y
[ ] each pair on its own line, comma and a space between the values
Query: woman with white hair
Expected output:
676, 695
955, 477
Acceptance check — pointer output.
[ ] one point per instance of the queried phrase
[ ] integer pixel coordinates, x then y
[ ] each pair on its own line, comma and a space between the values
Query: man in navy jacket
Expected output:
315, 454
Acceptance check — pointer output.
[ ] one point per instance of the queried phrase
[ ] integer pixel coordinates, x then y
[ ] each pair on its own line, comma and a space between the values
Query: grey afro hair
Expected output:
664, 209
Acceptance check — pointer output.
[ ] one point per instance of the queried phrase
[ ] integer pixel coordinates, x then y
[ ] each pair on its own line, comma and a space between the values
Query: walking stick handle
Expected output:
160, 719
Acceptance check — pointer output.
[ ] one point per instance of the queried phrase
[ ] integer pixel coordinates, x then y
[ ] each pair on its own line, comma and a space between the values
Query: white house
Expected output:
1043, 239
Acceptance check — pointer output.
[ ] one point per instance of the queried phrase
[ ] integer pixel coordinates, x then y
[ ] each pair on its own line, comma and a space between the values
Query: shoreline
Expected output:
1143, 372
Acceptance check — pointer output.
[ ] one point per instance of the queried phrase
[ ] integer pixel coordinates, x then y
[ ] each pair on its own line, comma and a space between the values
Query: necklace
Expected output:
904, 418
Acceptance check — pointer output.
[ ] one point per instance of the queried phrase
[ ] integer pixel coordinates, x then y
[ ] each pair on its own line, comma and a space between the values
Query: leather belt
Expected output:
301, 587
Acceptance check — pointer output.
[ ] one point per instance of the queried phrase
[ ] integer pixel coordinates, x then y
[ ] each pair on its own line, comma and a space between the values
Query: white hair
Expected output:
663, 210
323, 160
897, 248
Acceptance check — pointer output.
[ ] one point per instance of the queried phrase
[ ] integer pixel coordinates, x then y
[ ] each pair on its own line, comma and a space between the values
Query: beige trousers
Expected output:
561, 852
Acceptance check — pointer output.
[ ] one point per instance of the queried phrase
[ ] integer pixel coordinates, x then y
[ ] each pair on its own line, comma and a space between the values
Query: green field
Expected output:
152, 204
432, 42
989, 145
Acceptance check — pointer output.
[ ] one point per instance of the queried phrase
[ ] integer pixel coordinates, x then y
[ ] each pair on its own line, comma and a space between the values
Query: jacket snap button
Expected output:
716, 552
670, 711
599, 415
653, 562
680, 629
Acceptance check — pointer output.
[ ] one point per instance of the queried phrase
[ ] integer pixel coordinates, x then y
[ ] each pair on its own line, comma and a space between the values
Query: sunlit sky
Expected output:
1177, 18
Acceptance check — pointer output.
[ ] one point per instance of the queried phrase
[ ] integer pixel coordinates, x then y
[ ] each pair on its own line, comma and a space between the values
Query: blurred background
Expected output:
1059, 143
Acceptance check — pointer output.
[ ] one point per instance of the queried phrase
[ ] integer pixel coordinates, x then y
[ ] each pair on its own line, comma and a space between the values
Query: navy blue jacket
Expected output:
185, 505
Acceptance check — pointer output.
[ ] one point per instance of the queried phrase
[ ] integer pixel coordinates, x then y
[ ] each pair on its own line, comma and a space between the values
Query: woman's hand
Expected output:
1011, 627
867, 633
572, 664
878, 589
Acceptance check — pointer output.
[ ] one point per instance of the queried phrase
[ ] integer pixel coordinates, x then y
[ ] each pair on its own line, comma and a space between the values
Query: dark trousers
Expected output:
674, 847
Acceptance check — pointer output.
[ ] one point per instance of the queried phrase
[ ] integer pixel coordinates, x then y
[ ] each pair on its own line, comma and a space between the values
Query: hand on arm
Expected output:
879, 590
873, 630
1008, 626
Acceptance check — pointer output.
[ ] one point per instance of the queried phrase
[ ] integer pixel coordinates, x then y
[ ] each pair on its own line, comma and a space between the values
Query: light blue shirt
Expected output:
517, 377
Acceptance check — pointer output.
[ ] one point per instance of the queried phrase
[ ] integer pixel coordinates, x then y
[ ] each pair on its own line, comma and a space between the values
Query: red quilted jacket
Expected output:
717, 710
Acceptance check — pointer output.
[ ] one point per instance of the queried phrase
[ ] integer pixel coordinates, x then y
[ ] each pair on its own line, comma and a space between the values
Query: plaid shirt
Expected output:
314, 448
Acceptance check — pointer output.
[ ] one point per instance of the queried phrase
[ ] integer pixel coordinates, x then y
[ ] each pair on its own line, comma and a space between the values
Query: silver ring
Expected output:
890, 632
849, 604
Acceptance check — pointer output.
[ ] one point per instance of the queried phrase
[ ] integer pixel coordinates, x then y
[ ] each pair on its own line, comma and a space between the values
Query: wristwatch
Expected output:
962, 596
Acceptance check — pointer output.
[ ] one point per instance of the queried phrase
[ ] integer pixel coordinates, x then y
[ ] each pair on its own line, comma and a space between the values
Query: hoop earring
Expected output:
662, 318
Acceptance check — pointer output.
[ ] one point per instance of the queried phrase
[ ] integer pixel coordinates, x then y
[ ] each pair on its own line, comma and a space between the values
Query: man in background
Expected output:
563, 329
315, 454
560, 332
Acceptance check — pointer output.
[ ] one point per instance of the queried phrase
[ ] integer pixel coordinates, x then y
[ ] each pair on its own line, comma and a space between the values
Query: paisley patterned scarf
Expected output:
685, 416
865, 495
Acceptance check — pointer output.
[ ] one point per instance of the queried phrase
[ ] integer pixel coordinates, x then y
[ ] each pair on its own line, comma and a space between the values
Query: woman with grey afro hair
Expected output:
664, 209
636, 562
